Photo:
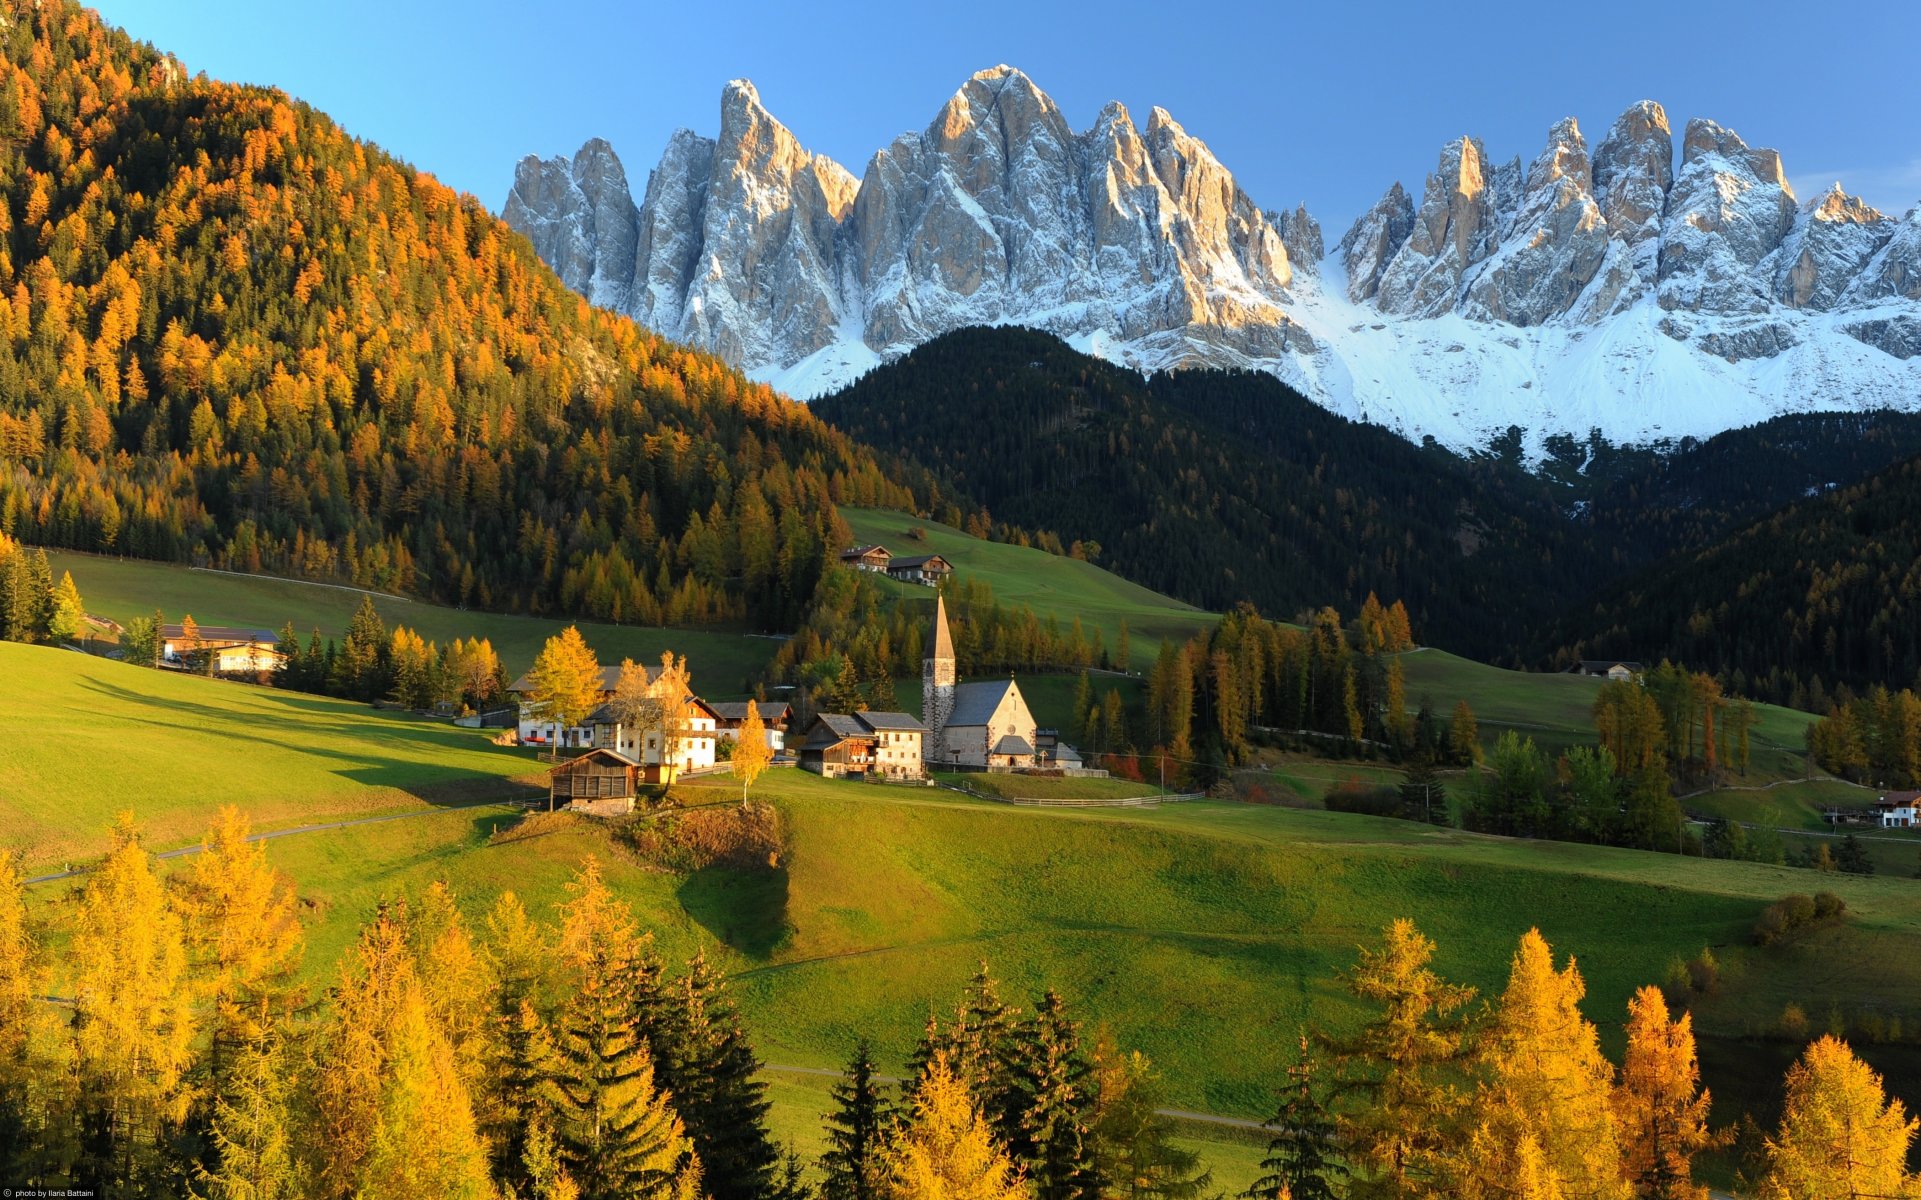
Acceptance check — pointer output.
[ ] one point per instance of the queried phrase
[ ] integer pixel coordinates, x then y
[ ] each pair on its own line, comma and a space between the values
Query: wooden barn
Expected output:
600, 782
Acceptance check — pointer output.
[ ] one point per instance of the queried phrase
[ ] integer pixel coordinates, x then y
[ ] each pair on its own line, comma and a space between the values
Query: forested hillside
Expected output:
1219, 487
1823, 593
231, 333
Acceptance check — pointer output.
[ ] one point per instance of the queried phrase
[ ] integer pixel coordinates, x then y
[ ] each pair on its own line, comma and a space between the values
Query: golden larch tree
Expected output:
752, 754
945, 1150
1659, 1105
564, 684
1841, 1137
1547, 1083
424, 1142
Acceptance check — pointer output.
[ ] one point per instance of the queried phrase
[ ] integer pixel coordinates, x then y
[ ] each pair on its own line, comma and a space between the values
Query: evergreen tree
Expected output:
709, 1067
856, 1132
1131, 1145
287, 667
1423, 795
1300, 1161
1464, 735
1054, 1076
66, 612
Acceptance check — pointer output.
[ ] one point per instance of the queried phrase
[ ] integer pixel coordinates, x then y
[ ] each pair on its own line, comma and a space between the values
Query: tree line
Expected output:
1875, 738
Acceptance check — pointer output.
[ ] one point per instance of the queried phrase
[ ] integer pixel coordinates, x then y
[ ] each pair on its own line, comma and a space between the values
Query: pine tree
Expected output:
856, 1132
945, 1150
617, 1134
515, 1097
1405, 1116
1054, 1077
1840, 1136
1300, 1160
1423, 795
1659, 1106
709, 1067
1464, 735
1546, 1083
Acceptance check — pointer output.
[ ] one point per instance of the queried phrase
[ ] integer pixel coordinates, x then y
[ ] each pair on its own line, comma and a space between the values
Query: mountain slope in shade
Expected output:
1601, 287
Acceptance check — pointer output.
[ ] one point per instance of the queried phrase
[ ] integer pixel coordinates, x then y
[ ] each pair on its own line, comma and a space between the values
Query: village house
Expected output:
927, 569
1899, 810
600, 782
536, 731
983, 725
838, 747
774, 716
235, 650
866, 558
885, 745
695, 746
1607, 668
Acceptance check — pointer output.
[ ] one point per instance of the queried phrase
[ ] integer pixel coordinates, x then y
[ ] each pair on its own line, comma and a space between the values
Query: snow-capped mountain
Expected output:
1584, 290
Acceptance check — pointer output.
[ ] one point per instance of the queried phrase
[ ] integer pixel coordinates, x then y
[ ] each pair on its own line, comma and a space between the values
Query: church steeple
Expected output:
937, 678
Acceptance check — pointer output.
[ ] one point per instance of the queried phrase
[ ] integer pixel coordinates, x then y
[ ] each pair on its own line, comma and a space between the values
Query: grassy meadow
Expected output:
124, 588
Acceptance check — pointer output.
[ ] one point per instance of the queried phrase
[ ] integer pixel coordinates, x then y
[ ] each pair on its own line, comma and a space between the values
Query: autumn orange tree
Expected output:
1660, 1108
1840, 1137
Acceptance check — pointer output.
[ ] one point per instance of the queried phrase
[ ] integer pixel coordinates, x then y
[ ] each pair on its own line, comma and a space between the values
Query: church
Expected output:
983, 724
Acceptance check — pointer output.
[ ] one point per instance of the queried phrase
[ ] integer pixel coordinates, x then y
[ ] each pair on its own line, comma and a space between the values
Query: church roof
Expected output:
974, 703
1013, 745
943, 646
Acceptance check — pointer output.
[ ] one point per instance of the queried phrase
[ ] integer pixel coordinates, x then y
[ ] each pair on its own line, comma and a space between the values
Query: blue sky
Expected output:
1327, 103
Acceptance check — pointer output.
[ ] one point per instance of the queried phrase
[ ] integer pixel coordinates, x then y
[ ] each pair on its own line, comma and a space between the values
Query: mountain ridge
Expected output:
1623, 289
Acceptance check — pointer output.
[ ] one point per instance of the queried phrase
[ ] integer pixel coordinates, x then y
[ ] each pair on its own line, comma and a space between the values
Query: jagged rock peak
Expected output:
1455, 229
1372, 241
1301, 234
1633, 169
1705, 137
1837, 205
580, 216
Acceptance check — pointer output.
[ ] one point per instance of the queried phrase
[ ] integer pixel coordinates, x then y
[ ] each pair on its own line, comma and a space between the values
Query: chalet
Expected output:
774, 714
928, 569
897, 744
600, 782
235, 650
1050, 751
838, 746
1608, 668
694, 749
1899, 810
866, 558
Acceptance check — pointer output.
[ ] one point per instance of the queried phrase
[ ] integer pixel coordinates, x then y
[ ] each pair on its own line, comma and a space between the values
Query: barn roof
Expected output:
221, 633
736, 710
916, 560
598, 752
974, 703
842, 725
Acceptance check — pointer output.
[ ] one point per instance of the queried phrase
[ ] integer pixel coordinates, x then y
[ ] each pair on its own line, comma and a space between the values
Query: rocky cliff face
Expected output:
1585, 290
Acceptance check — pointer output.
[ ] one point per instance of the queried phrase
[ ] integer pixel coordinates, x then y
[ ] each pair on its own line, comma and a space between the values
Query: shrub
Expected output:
1827, 906
741, 837
1704, 972
1795, 911
1794, 1023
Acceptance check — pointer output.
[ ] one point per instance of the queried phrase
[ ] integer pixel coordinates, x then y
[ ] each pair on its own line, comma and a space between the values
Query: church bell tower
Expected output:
937, 684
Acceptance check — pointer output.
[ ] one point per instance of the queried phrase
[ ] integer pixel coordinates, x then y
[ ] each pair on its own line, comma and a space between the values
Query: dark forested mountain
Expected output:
1825, 592
231, 333
1218, 487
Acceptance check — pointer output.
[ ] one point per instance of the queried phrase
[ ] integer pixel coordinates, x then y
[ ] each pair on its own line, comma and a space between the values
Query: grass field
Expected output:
123, 588
1044, 582
1028, 787
97, 737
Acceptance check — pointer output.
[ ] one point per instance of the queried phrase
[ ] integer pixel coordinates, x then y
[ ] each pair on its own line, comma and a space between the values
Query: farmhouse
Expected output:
1607, 668
928, 569
234, 650
694, 746
599, 781
774, 715
984, 724
838, 747
897, 744
866, 558
1899, 810
537, 732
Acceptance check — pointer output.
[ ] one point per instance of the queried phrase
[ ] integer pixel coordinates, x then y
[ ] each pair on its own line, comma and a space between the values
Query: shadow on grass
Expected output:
746, 910
305, 725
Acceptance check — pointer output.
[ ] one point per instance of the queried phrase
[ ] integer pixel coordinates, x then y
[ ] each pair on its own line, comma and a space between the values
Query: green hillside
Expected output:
1046, 583
124, 588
